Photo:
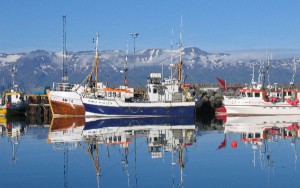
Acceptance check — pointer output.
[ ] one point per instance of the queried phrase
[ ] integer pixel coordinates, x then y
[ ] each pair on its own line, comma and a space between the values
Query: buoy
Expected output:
7, 105
234, 144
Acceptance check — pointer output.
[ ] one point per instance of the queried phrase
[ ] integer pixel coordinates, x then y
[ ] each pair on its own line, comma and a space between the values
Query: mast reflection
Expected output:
162, 135
13, 128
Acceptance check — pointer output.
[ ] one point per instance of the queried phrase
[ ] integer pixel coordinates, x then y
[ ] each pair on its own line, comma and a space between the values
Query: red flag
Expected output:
223, 144
222, 82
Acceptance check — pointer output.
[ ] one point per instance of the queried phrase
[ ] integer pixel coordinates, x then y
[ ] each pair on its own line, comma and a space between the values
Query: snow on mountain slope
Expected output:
41, 68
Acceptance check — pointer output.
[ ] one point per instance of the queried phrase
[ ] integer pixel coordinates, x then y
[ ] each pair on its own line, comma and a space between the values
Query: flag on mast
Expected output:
222, 82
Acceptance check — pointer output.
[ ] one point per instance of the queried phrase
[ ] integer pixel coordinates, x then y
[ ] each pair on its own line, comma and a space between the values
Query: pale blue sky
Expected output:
212, 25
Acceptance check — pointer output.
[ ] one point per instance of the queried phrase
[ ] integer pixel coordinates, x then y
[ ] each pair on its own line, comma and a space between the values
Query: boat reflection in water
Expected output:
162, 135
263, 133
13, 129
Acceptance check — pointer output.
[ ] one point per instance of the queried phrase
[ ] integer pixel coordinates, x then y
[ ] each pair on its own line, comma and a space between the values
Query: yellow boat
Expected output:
3, 121
13, 103
3, 112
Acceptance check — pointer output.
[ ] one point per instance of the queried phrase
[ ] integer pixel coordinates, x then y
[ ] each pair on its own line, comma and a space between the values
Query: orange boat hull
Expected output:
67, 109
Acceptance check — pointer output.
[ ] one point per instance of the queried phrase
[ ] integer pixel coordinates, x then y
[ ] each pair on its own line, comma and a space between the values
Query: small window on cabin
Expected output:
250, 94
115, 138
257, 94
289, 93
119, 138
154, 90
149, 90
250, 135
244, 135
243, 94
257, 135
110, 139
114, 94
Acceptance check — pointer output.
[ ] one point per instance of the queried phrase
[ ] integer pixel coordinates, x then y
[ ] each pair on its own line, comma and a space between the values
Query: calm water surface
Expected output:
150, 152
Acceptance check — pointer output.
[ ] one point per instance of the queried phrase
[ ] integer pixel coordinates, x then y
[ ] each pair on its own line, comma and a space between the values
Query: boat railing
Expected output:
63, 87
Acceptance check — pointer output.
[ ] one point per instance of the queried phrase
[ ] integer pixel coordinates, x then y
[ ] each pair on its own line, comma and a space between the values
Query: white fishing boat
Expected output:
258, 100
64, 98
253, 101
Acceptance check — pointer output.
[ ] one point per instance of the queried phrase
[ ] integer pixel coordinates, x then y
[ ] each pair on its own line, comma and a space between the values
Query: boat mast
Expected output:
96, 61
171, 66
294, 69
126, 66
180, 62
64, 53
179, 66
89, 77
268, 69
13, 73
252, 80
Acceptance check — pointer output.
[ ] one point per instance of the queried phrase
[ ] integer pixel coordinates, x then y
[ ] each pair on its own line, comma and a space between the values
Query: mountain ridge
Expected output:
41, 68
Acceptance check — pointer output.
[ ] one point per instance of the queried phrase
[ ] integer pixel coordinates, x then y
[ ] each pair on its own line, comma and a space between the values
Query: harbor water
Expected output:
145, 152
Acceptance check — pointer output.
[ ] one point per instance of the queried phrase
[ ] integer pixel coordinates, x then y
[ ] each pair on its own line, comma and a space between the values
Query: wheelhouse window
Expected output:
257, 94
244, 135
257, 135
249, 94
250, 135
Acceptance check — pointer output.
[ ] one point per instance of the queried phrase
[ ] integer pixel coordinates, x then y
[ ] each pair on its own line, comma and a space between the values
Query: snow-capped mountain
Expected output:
41, 68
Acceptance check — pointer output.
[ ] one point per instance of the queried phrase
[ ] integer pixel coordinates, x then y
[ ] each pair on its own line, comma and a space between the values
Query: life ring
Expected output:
273, 99
293, 101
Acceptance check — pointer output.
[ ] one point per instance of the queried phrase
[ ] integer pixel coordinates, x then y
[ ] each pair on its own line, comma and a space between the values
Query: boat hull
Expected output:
96, 107
273, 109
14, 109
65, 103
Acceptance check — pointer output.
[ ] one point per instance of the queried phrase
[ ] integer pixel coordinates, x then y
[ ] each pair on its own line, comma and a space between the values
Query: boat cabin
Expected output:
168, 90
123, 92
64, 87
12, 98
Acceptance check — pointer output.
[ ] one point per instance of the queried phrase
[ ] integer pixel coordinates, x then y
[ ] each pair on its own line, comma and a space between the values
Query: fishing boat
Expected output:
256, 99
64, 98
164, 96
12, 101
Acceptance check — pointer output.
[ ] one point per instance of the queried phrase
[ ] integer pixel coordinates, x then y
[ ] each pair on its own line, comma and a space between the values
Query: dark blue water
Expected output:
150, 152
